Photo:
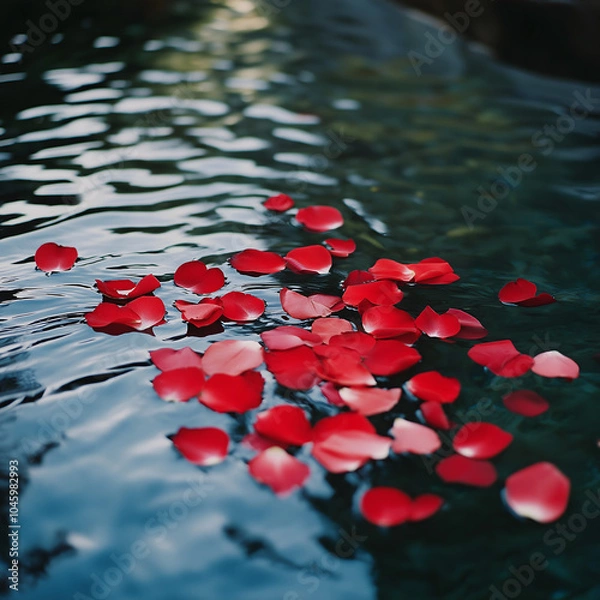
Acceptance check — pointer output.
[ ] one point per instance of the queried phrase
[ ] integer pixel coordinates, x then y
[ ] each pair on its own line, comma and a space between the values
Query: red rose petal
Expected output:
140, 314
388, 322
106, 314
201, 314
278, 203
362, 343
370, 401
389, 357
539, 492
328, 327
436, 325
385, 506
555, 364
233, 393
345, 442
414, 438
432, 386
280, 471
343, 366
470, 327
194, 276
481, 440
242, 308
386, 268
459, 469
526, 403
384, 293
302, 307
501, 358
320, 218
434, 415
331, 392
517, 291
433, 271
340, 248
311, 260
204, 446
523, 293
167, 359
232, 357
285, 424
259, 443
179, 385
51, 257
295, 368
257, 262
150, 310
425, 506
287, 337
123, 289
356, 278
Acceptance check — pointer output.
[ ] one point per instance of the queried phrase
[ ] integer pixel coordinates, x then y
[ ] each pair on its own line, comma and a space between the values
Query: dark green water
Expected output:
157, 147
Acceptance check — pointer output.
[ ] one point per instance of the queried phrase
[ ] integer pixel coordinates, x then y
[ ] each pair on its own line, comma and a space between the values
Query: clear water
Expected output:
158, 147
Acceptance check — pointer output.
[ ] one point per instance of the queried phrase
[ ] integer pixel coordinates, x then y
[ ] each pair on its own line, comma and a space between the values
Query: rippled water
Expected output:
158, 147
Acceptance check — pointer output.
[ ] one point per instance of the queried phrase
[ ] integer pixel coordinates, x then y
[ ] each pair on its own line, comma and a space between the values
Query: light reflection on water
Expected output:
147, 155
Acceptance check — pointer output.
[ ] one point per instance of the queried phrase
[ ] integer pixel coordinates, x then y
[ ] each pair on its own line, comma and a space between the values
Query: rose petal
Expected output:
384, 293
328, 327
386, 268
470, 327
425, 506
340, 248
201, 314
295, 368
167, 359
233, 393
432, 386
122, 289
320, 218
311, 260
179, 385
526, 403
434, 415
481, 440
257, 262
555, 364
389, 357
232, 357
436, 325
459, 469
242, 308
203, 446
343, 366
285, 424
501, 358
539, 492
278, 203
51, 257
517, 291
280, 471
362, 343
286, 337
385, 506
194, 276
370, 401
414, 438
302, 307
388, 322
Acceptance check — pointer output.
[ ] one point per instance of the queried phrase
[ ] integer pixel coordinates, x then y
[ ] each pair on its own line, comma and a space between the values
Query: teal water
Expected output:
156, 147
